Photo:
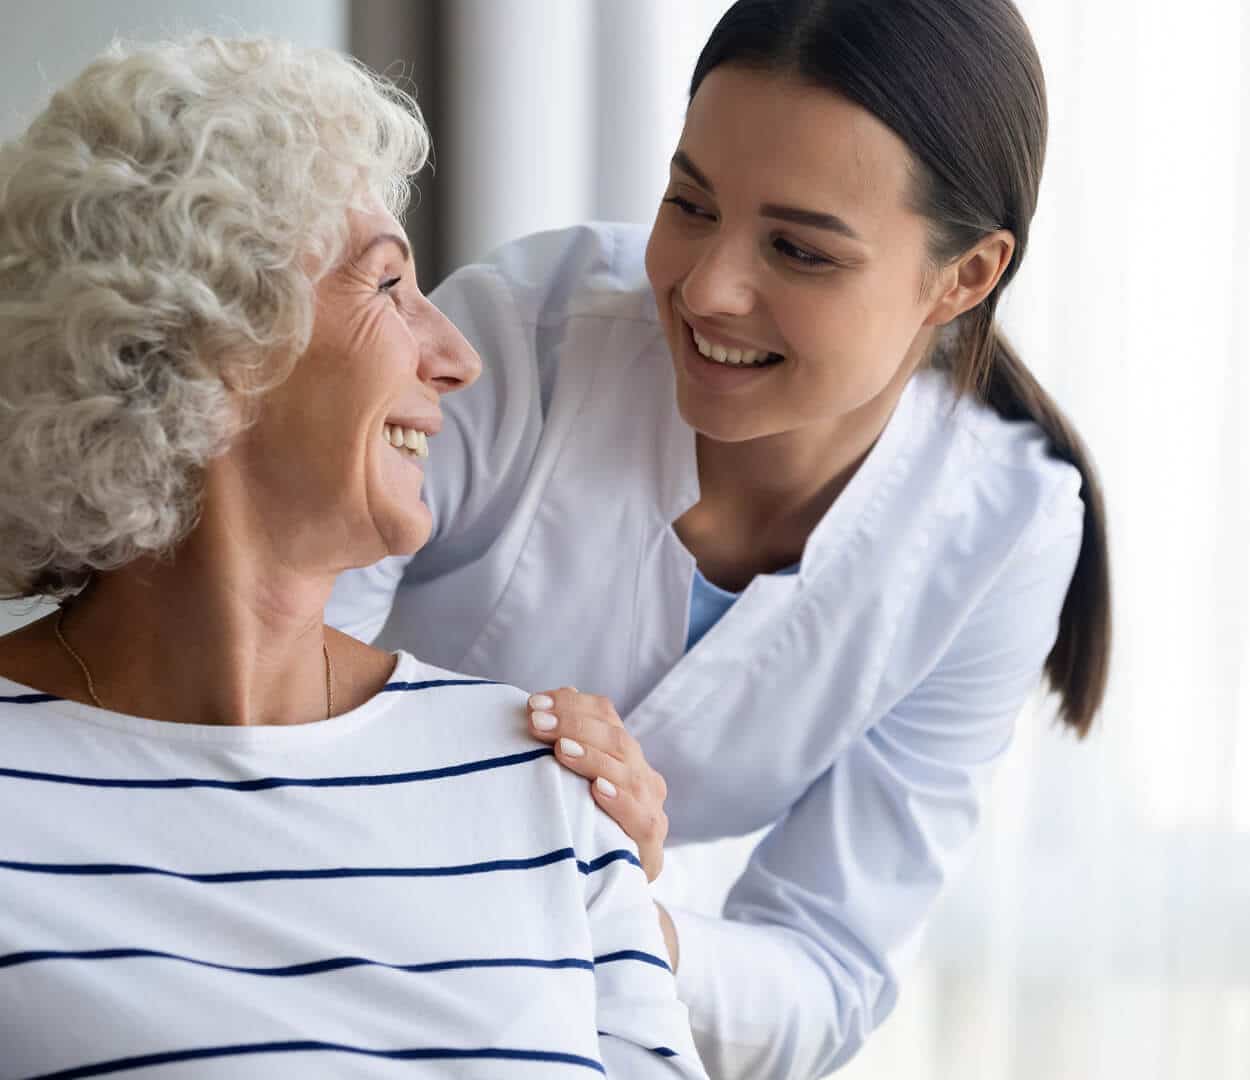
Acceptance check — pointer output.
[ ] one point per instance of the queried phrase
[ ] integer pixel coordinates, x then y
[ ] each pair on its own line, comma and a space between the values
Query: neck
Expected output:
760, 499
228, 630
780, 478
206, 637
796, 473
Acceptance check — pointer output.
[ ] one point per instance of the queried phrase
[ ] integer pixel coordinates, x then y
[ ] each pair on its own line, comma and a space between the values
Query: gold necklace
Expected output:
95, 698
86, 671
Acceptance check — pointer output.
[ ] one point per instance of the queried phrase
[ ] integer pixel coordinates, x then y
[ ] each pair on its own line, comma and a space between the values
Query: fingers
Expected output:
591, 762
589, 738
644, 821
586, 718
586, 722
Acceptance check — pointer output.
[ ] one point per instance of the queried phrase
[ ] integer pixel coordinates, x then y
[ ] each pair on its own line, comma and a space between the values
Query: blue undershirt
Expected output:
709, 602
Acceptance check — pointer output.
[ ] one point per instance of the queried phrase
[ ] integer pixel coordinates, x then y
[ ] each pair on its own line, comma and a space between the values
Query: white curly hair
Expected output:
163, 223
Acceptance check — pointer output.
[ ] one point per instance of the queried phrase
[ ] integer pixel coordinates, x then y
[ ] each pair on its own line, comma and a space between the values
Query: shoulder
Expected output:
586, 270
476, 717
477, 700
486, 723
991, 476
983, 536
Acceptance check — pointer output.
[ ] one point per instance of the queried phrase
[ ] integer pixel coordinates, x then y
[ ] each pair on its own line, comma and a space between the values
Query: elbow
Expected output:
806, 1015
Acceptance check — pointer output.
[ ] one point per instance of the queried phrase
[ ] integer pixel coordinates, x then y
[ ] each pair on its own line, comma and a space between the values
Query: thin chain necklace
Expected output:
95, 698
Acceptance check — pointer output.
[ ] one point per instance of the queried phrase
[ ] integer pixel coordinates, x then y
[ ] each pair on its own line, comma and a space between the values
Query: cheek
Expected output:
663, 257
872, 324
849, 344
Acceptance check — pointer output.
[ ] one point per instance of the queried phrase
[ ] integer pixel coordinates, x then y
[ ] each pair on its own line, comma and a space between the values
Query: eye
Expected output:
389, 284
799, 255
689, 208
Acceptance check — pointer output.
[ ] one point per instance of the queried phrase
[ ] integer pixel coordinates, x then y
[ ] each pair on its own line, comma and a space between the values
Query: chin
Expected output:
719, 424
410, 535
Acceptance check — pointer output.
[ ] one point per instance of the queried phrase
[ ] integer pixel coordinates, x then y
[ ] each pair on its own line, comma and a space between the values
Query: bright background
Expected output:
1102, 928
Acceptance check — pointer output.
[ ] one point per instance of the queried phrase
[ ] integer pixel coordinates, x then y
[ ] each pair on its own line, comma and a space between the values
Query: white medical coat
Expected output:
855, 708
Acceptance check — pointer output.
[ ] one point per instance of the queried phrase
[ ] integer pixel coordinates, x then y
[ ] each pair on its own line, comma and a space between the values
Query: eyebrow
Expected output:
682, 160
387, 238
815, 218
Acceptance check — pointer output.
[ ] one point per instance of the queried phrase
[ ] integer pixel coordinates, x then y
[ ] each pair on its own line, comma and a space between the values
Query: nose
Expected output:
722, 279
448, 361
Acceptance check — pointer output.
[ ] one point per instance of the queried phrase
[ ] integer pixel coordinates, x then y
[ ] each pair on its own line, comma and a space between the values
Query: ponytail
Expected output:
1076, 669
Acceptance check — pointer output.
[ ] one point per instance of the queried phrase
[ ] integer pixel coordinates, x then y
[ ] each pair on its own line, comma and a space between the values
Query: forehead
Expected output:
365, 224
772, 138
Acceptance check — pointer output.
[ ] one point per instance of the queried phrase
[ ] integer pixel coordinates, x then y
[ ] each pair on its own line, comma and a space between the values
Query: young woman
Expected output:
770, 482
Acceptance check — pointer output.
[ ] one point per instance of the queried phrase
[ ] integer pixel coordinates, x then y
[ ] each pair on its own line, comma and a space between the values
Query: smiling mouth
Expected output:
409, 441
732, 356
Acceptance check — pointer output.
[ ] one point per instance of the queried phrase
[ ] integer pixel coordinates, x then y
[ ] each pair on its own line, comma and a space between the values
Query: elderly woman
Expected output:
233, 838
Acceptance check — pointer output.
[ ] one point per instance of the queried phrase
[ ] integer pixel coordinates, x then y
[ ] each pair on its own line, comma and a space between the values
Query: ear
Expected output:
972, 277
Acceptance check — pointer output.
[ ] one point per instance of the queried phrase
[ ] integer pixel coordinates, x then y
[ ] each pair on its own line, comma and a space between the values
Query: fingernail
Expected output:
544, 721
541, 701
606, 787
569, 748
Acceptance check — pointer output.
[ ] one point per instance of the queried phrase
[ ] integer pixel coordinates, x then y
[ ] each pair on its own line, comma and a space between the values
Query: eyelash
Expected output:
687, 207
801, 255
781, 245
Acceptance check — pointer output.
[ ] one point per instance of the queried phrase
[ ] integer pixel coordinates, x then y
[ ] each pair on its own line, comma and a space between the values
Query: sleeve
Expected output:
806, 960
480, 459
644, 1030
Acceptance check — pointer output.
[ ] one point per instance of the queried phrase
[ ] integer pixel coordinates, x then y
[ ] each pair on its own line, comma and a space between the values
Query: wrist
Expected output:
669, 930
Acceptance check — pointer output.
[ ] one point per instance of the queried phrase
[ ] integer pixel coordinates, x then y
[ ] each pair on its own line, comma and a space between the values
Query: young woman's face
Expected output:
785, 248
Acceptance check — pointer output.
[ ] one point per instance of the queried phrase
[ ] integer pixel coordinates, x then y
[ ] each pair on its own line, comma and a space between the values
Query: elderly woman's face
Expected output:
323, 449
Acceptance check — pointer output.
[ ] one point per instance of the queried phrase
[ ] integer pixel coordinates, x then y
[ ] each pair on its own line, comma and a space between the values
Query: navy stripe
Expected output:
608, 958
663, 1051
315, 967
430, 1053
235, 876
334, 963
27, 699
608, 857
431, 684
267, 783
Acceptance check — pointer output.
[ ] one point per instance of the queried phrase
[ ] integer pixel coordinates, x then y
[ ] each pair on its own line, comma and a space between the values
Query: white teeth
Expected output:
408, 439
733, 356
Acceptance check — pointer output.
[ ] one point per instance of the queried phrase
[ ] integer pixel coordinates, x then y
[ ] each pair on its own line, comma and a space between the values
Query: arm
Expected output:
806, 962
644, 1030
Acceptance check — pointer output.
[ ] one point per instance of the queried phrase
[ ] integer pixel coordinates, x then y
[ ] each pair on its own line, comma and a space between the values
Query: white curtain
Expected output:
1102, 928
559, 111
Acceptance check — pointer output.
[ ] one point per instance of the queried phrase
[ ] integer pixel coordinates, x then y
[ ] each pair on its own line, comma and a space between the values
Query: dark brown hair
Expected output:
960, 82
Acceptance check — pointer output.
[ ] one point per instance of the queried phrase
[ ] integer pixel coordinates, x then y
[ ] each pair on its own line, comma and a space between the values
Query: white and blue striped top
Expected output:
413, 888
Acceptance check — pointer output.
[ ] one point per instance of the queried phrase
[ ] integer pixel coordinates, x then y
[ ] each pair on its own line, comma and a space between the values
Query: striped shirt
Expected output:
414, 888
